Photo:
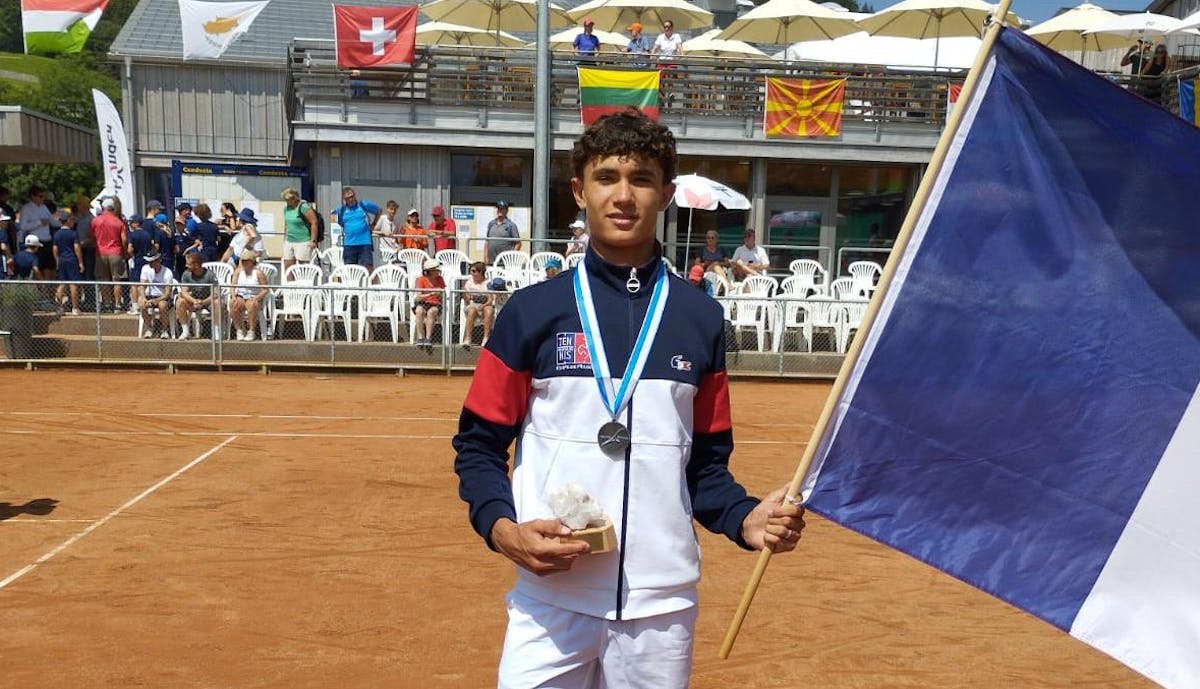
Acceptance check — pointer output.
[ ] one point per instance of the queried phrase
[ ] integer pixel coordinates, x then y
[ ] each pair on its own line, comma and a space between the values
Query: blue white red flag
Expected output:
1023, 414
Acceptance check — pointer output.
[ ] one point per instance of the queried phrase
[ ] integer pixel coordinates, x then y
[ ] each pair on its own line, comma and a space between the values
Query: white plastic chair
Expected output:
412, 259
536, 268
333, 257
295, 297
753, 307
387, 254
154, 312
865, 274
454, 262
386, 301
848, 318
333, 300
572, 261
811, 277
845, 288
515, 265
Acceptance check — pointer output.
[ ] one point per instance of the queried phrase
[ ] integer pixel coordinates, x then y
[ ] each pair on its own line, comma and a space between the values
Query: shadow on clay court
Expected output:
40, 507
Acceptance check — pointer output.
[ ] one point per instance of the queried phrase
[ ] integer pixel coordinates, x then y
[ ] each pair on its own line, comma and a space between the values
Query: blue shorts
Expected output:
362, 255
69, 270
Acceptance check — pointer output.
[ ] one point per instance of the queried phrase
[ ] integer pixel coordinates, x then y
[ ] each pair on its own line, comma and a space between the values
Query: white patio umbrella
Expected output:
783, 22
1188, 23
934, 19
494, 15
442, 33
708, 44
1066, 31
1144, 25
957, 52
610, 41
702, 193
612, 15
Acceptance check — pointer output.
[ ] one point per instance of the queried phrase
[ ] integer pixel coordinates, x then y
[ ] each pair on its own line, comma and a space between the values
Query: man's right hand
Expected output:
534, 545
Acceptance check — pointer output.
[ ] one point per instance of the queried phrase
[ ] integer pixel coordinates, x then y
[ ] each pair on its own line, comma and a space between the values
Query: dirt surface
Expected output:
314, 538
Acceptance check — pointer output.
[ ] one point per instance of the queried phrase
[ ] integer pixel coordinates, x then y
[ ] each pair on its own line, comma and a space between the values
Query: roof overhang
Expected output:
28, 136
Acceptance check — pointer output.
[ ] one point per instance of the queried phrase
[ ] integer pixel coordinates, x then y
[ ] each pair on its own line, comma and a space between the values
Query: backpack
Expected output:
320, 220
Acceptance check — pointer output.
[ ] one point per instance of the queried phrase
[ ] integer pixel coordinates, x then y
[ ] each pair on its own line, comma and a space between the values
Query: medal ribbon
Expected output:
615, 402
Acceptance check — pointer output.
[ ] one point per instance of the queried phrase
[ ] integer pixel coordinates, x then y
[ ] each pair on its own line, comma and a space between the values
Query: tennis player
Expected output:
612, 377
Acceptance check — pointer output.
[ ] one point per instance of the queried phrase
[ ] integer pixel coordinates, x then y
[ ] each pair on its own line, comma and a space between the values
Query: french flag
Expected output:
1023, 414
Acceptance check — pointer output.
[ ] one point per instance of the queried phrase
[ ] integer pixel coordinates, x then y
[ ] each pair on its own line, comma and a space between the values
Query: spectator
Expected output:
182, 240
579, 238
249, 290
638, 45
25, 263
479, 304
713, 257
36, 219
227, 226
1151, 74
429, 301
356, 218
197, 288
68, 256
111, 244
502, 234
696, 277
141, 245
10, 236
385, 229
205, 235
87, 239
552, 268
156, 280
1136, 57
587, 43
749, 259
412, 235
5, 251
668, 44
300, 229
443, 230
184, 212
162, 231
246, 240
154, 207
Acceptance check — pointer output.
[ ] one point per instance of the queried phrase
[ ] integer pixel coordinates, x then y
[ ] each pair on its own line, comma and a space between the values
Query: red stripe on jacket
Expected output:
498, 393
710, 407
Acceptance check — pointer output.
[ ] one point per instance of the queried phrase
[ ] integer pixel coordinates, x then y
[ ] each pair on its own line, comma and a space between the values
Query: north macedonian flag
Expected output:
605, 91
803, 107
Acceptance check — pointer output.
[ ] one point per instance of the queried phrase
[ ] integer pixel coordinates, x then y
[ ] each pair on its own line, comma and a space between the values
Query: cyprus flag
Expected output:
209, 27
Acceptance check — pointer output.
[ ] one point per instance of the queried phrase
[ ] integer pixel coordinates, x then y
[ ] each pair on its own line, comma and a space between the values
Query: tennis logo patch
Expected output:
571, 352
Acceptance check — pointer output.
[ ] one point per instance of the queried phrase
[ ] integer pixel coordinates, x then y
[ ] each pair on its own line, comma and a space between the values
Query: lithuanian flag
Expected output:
605, 91
803, 107
59, 26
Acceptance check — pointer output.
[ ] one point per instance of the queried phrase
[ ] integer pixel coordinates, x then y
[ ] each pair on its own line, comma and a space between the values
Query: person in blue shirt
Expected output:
68, 254
587, 43
25, 263
141, 244
164, 240
205, 235
356, 217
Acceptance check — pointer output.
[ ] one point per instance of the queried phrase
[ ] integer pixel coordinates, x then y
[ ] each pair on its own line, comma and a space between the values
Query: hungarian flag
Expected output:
606, 91
59, 26
803, 107
374, 36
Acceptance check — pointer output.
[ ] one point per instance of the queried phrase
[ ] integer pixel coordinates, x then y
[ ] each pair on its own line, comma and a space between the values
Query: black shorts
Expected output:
427, 306
46, 257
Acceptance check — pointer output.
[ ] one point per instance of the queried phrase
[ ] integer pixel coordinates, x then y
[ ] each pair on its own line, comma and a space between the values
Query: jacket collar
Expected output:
615, 277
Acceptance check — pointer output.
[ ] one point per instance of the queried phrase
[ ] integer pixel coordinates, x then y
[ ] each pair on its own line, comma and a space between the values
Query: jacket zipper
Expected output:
628, 450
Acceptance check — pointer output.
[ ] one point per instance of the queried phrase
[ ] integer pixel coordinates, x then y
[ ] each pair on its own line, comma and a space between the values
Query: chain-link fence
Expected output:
359, 325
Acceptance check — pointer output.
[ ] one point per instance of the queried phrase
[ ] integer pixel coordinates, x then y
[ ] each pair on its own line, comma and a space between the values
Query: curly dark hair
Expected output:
627, 133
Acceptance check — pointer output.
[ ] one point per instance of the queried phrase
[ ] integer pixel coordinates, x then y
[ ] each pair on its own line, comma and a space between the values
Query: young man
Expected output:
156, 282
624, 617
197, 291
749, 259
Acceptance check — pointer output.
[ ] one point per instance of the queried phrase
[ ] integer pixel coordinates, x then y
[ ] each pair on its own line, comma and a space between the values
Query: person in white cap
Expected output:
156, 280
413, 235
428, 306
579, 238
25, 263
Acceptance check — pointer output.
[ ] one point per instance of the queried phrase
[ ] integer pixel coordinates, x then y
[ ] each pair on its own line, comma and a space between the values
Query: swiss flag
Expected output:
374, 36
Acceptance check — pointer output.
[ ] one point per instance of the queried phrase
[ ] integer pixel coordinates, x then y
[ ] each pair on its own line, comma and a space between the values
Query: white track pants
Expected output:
547, 647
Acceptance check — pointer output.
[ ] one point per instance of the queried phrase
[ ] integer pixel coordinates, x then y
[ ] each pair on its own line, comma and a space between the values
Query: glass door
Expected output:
799, 227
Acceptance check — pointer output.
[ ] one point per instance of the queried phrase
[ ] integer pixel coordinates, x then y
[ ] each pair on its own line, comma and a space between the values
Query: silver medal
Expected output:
613, 438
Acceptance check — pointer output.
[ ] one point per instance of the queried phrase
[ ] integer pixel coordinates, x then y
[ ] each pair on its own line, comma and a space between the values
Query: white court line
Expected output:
280, 434
108, 517
22, 520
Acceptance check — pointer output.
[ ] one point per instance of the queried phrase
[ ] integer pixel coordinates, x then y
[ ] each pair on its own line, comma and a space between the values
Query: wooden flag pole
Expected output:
885, 280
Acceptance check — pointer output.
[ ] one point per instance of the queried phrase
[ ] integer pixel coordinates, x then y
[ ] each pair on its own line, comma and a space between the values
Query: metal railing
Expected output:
504, 78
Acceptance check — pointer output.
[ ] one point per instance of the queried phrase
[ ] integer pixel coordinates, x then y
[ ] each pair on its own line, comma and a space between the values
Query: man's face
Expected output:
668, 28
391, 212
622, 196
348, 197
195, 265
502, 212
749, 241
185, 213
437, 219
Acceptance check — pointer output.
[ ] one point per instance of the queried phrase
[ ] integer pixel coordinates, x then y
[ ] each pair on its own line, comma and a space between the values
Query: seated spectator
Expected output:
249, 291
247, 239
713, 257
68, 254
385, 229
197, 291
579, 238
156, 282
479, 305
553, 267
696, 277
429, 301
412, 235
749, 259
25, 263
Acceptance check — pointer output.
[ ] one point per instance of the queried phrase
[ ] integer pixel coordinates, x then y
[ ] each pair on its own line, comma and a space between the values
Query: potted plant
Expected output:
17, 302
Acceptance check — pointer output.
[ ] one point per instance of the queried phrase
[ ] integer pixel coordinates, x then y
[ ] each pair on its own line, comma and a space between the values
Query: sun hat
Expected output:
32, 240
247, 216
152, 257
249, 256
578, 224
431, 264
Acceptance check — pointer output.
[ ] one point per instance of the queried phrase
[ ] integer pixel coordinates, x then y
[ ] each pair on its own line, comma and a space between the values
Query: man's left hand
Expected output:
775, 524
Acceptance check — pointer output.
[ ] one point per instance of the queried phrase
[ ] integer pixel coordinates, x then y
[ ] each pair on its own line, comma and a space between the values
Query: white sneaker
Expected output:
164, 335
74, 312
133, 311
241, 335
148, 335
184, 334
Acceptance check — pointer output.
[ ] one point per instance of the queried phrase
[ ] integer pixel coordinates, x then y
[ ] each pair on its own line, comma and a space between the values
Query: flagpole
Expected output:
910, 220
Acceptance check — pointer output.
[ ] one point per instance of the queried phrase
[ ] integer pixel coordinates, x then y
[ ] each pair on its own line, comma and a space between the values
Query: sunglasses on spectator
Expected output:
475, 270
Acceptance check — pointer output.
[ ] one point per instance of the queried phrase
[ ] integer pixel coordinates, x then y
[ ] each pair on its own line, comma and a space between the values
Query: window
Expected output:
799, 179
486, 171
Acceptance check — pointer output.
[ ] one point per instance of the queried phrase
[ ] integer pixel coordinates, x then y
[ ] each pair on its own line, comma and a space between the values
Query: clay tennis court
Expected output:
304, 530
